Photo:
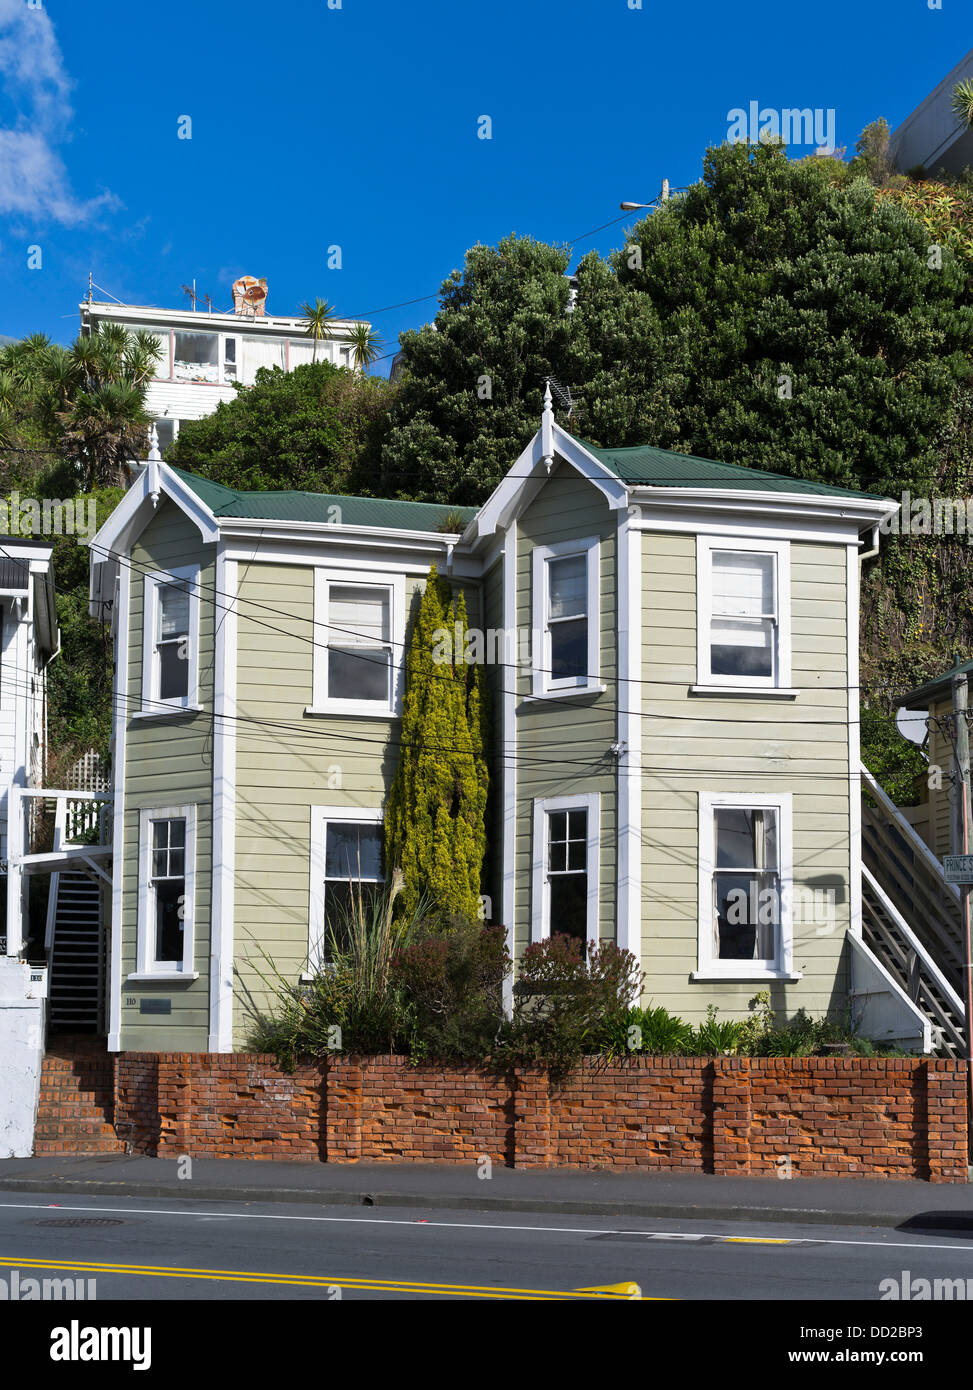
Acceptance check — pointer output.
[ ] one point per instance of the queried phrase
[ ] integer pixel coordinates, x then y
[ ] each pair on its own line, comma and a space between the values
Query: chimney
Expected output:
250, 296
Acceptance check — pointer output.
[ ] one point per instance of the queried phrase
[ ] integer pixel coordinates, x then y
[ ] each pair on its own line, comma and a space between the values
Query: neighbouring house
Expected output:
671, 650
933, 137
49, 959
203, 354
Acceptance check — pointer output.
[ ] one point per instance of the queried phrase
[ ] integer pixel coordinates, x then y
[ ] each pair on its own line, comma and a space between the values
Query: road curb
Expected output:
447, 1202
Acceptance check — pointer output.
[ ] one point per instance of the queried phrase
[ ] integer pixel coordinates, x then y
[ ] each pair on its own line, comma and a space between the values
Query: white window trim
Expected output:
395, 583
710, 967
321, 816
543, 682
780, 682
151, 704
147, 967
540, 896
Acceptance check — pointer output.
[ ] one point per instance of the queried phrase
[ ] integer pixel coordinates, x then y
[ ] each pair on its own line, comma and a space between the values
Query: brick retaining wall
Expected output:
892, 1117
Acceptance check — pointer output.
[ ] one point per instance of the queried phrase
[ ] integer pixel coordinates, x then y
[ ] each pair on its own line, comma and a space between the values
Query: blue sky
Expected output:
357, 127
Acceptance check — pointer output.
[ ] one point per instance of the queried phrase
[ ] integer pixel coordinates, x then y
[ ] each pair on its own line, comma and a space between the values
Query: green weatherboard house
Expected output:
682, 735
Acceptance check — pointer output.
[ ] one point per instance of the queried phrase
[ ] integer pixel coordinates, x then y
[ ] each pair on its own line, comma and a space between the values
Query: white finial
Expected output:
154, 454
547, 428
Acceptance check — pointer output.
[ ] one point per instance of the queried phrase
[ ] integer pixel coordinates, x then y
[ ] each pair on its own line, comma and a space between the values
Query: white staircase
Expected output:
911, 922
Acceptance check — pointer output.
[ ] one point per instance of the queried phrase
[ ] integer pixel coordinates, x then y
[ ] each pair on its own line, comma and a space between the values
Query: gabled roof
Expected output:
320, 507
646, 466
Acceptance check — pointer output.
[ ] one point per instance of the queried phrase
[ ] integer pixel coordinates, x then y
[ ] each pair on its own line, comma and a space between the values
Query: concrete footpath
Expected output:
454, 1187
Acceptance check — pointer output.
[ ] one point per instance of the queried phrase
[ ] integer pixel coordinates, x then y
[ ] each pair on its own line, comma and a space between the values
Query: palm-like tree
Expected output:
365, 345
320, 317
962, 101
98, 390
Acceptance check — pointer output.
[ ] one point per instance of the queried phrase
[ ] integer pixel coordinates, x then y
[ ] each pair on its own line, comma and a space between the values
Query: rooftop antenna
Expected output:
190, 292
563, 394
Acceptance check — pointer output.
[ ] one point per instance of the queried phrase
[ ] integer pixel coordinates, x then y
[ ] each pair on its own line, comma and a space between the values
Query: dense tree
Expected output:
435, 814
474, 380
316, 429
822, 342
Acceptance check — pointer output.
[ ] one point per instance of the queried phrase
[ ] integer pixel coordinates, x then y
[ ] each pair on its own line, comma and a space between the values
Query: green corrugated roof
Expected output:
644, 465
932, 690
317, 507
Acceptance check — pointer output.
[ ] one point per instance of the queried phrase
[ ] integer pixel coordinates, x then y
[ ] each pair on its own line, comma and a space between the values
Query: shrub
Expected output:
565, 1004
453, 982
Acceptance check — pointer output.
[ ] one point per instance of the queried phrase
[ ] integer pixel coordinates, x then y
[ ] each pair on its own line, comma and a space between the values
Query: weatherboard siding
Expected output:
287, 762
168, 762
701, 743
563, 746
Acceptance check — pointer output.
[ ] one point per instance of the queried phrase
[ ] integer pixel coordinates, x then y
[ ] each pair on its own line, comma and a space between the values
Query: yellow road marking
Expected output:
316, 1281
752, 1240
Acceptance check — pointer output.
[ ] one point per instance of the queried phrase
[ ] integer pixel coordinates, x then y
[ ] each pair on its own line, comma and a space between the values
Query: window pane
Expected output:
168, 924
353, 851
195, 357
160, 863
557, 822
257, 353
578, 824
359, 674
173, 671
743, 584
358, 615
568, 586
569, 649
173, 610
746, 839
742, 648
569, 910
577, 854
747, 915
557, 856
340, 900
160, 834
177, 832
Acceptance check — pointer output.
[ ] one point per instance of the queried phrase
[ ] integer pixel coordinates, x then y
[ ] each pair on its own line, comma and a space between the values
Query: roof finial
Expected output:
547, 427
154, 455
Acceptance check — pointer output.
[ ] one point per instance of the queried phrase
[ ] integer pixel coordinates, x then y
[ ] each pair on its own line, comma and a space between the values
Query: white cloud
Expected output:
33, 180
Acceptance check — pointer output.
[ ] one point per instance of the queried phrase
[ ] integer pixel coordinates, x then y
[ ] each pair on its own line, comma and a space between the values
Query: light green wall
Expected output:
563, 746
692, 743
168, 762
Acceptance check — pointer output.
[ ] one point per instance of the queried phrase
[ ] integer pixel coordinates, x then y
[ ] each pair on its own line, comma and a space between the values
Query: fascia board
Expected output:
523, 482
866, 510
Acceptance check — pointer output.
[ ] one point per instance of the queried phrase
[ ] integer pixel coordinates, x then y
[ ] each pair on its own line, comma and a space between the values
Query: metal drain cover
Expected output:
80, 1221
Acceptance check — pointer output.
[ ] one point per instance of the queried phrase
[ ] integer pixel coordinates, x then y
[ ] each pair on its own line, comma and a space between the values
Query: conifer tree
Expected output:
435, 828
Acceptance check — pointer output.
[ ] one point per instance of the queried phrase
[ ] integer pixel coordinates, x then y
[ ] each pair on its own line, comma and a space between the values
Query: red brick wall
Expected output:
897, 1117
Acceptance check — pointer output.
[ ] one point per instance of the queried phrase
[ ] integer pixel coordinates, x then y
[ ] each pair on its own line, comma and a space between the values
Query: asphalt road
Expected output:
158, 1249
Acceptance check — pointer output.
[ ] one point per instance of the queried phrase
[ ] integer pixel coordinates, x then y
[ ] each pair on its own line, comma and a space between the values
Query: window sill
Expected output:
171, 977
746, 976
349, 712
175, 711
757, 692
574, 692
